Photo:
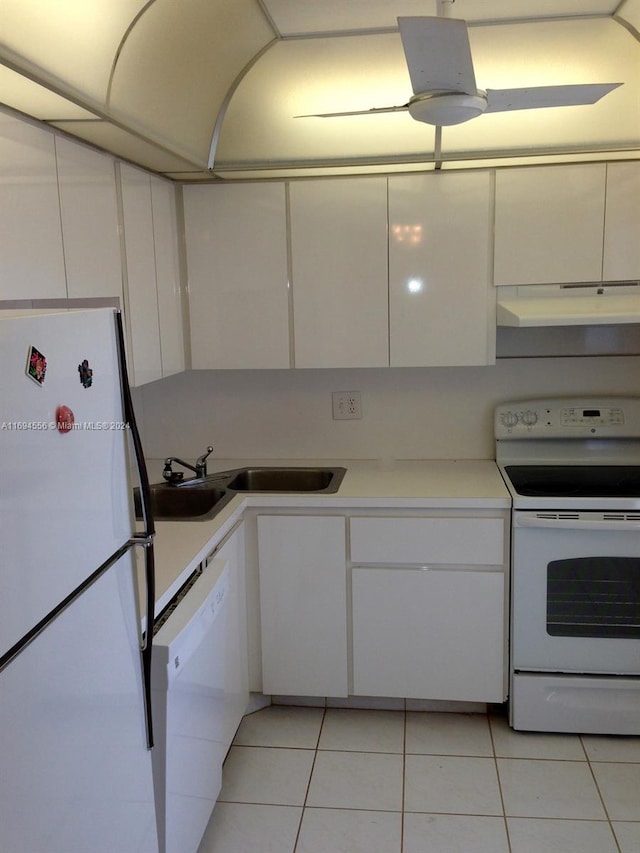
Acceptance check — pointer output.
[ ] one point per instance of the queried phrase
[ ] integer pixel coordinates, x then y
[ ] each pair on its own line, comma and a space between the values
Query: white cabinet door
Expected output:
89, 207
303, 607
236, 239
236, 681
548, 224
31, 258
141, 295
622, 223
339, 272
153, 299
435, 634
169, 292
442, 308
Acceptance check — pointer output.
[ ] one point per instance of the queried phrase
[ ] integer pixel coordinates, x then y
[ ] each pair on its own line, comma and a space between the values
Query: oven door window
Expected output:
594, 597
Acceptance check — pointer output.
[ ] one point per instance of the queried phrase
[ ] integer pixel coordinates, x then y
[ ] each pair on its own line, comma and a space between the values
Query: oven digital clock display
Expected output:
591, 417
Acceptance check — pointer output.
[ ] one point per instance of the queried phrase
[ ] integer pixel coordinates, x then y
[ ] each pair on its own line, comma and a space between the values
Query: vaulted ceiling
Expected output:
212, 89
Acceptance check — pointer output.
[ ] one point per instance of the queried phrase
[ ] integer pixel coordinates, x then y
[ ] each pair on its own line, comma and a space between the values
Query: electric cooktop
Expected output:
581, 481
579, 453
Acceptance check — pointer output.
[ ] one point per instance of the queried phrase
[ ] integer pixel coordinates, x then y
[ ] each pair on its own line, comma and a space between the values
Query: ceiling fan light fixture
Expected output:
447, 108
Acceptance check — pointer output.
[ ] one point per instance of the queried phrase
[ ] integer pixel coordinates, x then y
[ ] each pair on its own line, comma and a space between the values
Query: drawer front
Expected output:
445, 541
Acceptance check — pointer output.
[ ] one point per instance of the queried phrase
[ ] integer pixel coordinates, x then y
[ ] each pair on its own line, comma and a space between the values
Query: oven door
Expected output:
576, 592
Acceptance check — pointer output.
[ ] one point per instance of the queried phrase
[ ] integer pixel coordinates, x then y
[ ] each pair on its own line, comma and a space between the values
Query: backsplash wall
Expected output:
408, 413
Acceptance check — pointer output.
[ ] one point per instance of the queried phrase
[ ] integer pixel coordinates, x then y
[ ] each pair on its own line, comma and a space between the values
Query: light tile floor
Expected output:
332, 780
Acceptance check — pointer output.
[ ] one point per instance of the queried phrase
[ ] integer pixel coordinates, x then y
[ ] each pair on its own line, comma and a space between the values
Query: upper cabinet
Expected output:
65, 235
339, 272
383, 271
368, 271
167, 261
31, 257
621, 260
549, 224
141, 313
89, 208
563, 224
152, 303
442, 307
236, 245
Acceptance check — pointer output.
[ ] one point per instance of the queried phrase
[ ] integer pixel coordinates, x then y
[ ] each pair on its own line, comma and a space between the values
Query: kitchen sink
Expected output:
200, 499
270, 479
191, 501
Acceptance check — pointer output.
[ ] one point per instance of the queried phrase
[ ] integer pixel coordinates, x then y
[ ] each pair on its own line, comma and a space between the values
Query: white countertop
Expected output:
412, 484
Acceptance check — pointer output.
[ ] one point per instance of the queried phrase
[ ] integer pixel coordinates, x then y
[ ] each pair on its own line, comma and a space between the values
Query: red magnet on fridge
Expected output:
65, 419
36, 366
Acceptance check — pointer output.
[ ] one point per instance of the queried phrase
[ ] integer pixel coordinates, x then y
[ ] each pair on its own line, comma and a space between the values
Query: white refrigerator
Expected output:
75, 728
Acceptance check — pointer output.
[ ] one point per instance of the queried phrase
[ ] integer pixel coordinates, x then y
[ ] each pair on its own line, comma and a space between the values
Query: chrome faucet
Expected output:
199, 469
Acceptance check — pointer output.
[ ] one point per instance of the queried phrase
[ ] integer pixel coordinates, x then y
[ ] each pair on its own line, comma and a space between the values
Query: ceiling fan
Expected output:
444, 87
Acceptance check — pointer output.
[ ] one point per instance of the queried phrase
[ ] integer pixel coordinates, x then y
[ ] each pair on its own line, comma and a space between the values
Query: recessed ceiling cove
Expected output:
233, 89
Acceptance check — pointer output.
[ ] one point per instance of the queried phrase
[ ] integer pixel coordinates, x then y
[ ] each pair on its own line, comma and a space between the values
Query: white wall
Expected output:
411, 413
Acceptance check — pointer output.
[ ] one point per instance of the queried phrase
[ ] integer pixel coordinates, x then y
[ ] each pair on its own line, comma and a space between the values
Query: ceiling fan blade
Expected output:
535, 97
372, 111
438, 54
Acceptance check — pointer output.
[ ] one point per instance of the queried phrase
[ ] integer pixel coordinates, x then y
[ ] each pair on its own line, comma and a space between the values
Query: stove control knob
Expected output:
529, 418
509, 419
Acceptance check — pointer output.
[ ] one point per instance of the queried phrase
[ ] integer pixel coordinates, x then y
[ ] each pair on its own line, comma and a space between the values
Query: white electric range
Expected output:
572, 467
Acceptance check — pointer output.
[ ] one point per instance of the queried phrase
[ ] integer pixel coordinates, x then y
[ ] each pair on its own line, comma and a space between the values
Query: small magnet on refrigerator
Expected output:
65, 419
86, 374
36, 366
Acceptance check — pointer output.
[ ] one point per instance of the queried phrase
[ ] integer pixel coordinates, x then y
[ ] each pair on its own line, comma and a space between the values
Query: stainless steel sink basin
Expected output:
191, 501
200, 499
271, 479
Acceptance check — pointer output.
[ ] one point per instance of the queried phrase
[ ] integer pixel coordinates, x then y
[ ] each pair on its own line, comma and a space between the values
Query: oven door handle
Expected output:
575, 523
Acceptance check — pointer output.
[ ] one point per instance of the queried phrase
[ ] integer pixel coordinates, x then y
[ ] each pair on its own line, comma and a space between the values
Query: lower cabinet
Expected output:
386, 606
429, 616
428, 634
303, 605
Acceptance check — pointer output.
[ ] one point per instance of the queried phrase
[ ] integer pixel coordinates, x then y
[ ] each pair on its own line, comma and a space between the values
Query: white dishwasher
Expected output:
191, 695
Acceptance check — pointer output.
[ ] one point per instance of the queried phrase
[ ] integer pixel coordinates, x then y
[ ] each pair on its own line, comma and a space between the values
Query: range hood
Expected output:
589, 304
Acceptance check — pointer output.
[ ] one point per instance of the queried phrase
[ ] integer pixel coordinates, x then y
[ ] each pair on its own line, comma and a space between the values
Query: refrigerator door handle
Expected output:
50, 617
146, 640
146, 538
130, 418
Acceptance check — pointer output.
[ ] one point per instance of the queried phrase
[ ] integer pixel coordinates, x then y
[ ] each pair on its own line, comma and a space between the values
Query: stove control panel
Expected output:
579, 417
568, 418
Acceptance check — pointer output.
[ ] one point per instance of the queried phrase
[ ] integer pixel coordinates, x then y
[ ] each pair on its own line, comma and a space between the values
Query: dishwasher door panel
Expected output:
190, 696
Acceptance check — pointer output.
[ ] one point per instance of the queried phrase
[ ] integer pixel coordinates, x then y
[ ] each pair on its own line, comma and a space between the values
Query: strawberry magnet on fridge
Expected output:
65, 419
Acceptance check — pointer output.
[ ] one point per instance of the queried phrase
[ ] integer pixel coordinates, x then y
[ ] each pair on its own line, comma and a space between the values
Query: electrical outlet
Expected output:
347, 405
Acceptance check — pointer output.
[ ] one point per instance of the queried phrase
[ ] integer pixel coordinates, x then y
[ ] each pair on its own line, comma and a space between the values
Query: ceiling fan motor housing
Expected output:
447, 108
